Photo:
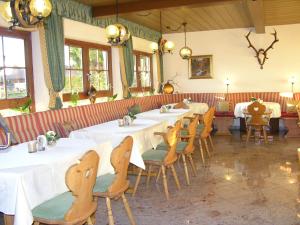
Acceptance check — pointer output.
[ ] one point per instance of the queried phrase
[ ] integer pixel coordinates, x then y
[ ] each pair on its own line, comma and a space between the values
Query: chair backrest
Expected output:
171, 138
192, 130
80, 179
208, 118
120, 161
256, 110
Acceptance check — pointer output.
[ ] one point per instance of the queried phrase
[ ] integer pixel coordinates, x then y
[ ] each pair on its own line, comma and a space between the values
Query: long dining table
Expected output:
28, 179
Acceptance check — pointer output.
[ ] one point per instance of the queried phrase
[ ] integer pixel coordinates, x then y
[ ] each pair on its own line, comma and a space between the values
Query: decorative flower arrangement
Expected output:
132, 116
253, 99
51, 137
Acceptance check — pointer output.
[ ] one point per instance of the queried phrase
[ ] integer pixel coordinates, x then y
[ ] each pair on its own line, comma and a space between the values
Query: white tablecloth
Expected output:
142, 131
275, 107
197, 107
171, 117
28, 179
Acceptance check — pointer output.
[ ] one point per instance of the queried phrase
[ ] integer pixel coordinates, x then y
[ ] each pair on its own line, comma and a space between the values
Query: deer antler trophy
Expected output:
261, 54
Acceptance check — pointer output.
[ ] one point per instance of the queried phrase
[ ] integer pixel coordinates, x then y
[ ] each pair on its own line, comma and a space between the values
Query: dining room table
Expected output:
28, 179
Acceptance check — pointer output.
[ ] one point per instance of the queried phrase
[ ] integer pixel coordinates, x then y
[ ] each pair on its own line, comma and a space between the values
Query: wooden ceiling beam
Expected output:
256, 13
145, 5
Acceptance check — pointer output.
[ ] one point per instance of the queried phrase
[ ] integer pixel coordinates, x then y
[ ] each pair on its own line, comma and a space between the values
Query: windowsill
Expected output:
9, 112
68, 104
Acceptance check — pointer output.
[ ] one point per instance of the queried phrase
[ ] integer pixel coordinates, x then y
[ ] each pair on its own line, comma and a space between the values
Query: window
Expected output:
142, 80
87, 64
16, 80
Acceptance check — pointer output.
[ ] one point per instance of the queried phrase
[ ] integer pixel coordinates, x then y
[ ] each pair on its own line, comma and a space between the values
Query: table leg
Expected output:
8, 219
223, 124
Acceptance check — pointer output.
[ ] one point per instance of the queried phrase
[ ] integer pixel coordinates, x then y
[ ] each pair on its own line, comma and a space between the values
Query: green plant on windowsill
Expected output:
24, 109
132, 116
112, 98
74, 98
152, 91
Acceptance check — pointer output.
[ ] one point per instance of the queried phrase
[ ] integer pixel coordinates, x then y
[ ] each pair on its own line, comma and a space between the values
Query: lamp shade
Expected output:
40, 8
112, 31
169, 46
5, 11
154, 46
185, 52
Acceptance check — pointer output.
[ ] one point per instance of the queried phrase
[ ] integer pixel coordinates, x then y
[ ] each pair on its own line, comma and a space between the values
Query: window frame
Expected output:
85, 46
139, 87
17, 102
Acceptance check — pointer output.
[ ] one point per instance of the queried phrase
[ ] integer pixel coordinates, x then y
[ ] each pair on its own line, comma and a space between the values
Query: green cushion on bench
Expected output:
55, 208
154, 155
104, 182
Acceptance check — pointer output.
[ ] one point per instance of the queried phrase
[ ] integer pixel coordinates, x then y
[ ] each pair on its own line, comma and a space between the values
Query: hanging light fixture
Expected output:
185, 52
25, 13
117, 34
163, 46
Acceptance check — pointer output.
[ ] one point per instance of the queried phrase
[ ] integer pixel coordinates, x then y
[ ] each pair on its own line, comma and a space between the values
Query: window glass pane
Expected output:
16, 83
100, 80
76, 80
1, 52
134, 82
67, 88
145, 63
98, 59
67, 57
2, 85
75, 57
14, 52
145, 79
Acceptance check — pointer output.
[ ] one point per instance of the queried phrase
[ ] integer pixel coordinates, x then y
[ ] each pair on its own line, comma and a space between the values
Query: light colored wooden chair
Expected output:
163, 159
185, 147
113, 186
257, 120
77, 205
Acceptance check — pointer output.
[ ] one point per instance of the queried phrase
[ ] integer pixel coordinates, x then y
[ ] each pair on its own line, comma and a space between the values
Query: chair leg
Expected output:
128, 210
201, 151
211, 142
265, 135
158, 175
137, 182
165, 182
175, 177
186, 172
206, 147
192, 164
248, 135
148, 175
109, 212
34, 223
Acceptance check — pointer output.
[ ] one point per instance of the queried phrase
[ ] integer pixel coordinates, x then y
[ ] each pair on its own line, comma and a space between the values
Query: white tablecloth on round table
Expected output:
28, 179
274, 106
197, 107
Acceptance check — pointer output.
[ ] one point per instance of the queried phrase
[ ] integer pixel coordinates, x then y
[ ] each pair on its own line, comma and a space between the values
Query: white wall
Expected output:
233, 59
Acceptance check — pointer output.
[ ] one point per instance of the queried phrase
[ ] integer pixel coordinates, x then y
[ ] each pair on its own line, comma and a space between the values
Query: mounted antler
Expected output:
261, 54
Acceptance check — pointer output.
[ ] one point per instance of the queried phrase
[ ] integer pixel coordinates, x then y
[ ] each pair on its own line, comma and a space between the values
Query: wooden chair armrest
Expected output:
160, 133
185, 129
188, 117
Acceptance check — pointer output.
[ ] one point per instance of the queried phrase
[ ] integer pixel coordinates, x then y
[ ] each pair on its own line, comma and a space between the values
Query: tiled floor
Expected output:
257, 184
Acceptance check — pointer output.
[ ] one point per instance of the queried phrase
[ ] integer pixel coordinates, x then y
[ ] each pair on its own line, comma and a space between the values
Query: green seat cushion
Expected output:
154, 155
200, 128
104, 182
179, 148
55, 208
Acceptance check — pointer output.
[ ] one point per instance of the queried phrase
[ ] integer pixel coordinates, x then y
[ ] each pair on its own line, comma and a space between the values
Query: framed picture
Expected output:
201, 67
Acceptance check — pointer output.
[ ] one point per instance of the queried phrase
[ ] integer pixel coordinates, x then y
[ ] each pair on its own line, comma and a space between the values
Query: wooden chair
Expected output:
258, 120
77, 205
186, 146
298, 111
163, 159
113, 186
204, 134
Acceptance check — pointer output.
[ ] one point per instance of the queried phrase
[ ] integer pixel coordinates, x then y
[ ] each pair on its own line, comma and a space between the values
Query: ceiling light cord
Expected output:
117, 10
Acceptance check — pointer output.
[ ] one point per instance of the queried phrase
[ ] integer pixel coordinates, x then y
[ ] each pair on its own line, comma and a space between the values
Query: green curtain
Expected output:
54, 33
83, 13
129, 61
